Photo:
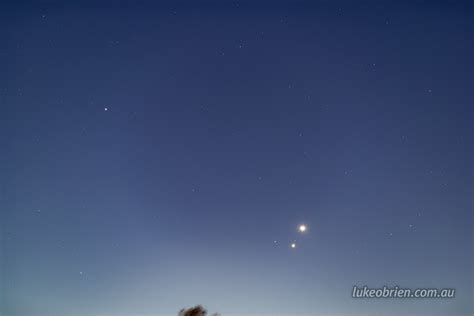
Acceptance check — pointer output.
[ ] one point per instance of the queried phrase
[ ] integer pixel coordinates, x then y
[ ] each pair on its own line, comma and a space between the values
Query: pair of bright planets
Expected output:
302, 229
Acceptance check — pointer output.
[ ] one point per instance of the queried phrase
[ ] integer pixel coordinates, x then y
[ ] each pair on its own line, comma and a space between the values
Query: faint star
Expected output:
106, 109
293, 245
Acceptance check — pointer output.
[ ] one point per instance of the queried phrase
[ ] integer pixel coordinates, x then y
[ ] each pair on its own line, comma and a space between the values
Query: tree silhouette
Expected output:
195, 311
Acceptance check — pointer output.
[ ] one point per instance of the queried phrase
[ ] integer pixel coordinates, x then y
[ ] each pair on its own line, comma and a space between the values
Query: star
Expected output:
106, 109
293, 245
302, 228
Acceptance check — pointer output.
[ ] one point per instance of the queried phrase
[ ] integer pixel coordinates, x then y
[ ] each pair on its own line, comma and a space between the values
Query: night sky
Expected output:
160, 155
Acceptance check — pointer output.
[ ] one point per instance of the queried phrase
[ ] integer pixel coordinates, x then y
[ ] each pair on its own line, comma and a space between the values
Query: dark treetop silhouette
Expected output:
195, 311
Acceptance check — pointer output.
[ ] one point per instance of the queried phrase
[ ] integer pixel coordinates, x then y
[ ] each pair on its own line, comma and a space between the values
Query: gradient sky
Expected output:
160, 155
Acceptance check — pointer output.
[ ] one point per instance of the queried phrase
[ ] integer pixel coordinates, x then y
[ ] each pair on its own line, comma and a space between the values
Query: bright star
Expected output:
302, 228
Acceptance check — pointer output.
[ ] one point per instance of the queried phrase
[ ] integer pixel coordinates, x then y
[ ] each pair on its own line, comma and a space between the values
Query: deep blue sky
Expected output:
159, 155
